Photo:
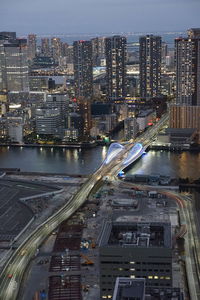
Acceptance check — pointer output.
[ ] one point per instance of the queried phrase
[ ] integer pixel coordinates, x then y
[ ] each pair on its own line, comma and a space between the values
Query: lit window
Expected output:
132, 276
155, 277
132, 262
150, 277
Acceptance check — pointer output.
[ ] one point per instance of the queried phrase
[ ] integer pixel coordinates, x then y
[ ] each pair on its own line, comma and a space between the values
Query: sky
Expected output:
98, 16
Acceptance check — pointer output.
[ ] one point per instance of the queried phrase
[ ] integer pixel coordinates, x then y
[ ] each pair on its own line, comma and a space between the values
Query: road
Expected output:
13, 271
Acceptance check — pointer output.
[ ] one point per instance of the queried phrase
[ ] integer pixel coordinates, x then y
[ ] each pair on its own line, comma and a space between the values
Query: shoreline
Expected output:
74, 145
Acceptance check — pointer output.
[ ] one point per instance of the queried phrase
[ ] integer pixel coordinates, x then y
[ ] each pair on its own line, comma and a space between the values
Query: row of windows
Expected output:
137, 270
137, 263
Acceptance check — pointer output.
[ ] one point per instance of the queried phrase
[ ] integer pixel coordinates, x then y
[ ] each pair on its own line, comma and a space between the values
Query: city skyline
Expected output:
98, 16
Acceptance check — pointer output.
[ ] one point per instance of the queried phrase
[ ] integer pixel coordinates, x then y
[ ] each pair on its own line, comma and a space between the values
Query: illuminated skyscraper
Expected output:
187, 58
32, 45
98, 50
83, 76
56, 48
45, 48
115, 51
13, 65
186, 114
150, 66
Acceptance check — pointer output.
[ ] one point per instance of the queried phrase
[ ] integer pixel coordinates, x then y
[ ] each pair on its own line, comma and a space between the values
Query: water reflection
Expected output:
86, 161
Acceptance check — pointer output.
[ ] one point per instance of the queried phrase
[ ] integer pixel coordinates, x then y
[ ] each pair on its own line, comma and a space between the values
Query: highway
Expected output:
13, 271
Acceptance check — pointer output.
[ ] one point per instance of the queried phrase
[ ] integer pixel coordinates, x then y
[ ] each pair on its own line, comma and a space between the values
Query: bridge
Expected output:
118, 157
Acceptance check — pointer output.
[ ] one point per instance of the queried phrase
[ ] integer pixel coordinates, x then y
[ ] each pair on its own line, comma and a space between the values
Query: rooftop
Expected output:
133, 234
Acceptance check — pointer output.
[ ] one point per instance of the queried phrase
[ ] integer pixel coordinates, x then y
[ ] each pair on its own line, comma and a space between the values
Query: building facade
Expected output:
32, 46
150, 66
116, 54
135, 250
56, 48
83, 73
45, 47
14, 65
48, 121
187, 60
98, 50
182, 116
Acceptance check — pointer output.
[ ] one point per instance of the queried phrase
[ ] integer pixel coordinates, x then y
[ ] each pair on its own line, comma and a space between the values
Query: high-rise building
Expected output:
69, 54
115, 52
84, 109
83, 75
32, 46
187, 59
45, 47
150, 66
98, 50
131, 128
186, 112
13, 65
194, 33
56, 48
64, 51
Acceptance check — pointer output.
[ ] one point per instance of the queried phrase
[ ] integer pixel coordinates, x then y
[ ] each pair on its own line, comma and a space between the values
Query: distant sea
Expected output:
167, 37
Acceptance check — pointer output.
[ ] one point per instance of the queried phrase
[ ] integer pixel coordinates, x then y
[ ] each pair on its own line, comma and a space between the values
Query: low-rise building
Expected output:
146, 118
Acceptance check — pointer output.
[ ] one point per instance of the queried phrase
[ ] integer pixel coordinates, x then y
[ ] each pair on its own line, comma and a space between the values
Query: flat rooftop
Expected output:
133, 234
126, 288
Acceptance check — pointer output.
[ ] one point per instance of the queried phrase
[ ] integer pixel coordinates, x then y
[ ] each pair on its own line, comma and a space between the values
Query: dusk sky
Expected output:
98, 16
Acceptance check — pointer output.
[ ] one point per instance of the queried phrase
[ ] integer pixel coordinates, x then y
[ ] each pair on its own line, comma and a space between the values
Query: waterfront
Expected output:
86, 161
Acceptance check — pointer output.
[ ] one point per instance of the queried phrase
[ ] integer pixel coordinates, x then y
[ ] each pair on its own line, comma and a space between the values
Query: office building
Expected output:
60, 101
127, 288
135, 289
83, 75
187, 60
48, 121
150, 66
56, 48
13, 65
15, 129
135, 250
115, 52
32, 46
45, 47
38, 83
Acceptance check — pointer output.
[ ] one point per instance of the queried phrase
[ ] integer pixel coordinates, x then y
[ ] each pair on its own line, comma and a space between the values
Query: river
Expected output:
86, 161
